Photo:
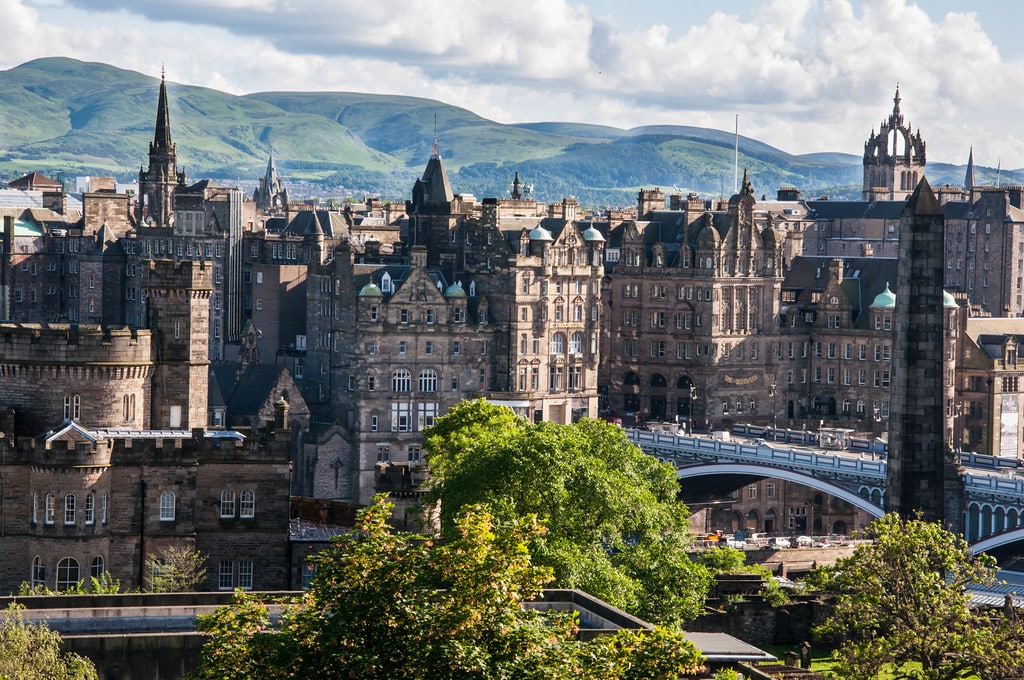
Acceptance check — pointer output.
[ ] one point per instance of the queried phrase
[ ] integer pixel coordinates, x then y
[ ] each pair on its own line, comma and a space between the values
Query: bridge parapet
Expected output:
861, 467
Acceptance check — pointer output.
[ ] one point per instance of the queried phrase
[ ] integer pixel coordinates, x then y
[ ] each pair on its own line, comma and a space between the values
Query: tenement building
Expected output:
499, 299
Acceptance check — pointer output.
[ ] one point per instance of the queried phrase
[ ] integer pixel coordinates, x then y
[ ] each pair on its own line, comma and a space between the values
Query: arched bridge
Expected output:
994, 487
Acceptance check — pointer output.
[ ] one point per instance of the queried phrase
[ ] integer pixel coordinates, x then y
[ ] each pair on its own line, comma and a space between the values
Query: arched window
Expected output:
401, 381
227, 503
38, 577
67, 573
96, 567
90, 508
50, 508
69, 509
576, 343
167, 506
557, 343
658, 380
631, 379
428, 380
247, 503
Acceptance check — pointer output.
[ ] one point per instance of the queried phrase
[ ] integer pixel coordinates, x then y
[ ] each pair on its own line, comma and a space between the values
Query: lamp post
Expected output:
693, 397
771, 393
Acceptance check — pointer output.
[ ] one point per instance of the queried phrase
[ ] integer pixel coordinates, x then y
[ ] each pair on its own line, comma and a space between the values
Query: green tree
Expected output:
391, 605
614, 525
31, 651
176, 569
902, 604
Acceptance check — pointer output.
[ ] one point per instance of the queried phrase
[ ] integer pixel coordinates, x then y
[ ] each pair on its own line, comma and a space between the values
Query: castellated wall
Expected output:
100, 377
115, 485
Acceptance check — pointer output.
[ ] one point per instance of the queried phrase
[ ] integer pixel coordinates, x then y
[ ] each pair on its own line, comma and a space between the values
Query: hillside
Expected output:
65, 117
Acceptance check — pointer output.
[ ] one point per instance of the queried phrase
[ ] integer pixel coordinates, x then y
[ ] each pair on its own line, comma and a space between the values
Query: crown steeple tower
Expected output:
158, 183
894, 159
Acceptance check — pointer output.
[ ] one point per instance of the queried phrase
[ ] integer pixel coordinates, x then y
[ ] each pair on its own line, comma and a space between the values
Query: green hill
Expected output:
62, 116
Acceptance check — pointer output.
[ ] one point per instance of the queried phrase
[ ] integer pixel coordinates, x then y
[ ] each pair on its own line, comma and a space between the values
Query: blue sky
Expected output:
803, 75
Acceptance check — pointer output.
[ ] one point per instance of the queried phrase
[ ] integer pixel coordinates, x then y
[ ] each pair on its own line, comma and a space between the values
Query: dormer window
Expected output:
386, 284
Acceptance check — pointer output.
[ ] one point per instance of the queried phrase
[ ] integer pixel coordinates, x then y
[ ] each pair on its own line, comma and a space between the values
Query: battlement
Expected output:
54, 347
179, 275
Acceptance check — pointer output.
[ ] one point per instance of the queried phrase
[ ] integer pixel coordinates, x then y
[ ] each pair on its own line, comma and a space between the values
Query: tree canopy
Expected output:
902, 603
394, 605
31, 651
614, 525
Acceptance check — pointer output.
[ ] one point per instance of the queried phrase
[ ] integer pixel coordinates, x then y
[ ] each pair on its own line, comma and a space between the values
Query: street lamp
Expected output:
693, 396
771, 393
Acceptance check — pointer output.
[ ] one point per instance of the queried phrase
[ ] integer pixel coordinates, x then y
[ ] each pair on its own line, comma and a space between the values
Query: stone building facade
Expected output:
127, 466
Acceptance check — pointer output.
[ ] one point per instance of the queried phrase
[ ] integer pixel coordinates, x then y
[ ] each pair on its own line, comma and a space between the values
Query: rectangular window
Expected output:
226, 575
456, 347
90, 509
247, 504
401, 417
429, 347
383, 453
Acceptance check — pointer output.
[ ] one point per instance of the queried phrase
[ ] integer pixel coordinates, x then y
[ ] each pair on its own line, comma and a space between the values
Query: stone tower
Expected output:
271, 195
178, 307
158, 184
894, 159
922, 475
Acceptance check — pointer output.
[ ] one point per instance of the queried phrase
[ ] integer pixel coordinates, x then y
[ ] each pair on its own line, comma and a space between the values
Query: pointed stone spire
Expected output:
969, 177
162, 134
897, 117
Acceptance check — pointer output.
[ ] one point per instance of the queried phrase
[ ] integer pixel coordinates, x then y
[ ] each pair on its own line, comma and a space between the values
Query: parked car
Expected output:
737, 543
779, 542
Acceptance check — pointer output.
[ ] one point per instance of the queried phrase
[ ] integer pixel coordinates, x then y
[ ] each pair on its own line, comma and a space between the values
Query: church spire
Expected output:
969, 177
162, 135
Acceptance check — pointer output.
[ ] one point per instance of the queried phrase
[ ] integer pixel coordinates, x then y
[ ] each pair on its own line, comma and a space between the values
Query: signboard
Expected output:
1009, 426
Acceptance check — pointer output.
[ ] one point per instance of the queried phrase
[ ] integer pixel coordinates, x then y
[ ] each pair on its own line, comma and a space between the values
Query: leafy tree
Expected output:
902, 603
176, 569
614, 525
31, 651
390, 605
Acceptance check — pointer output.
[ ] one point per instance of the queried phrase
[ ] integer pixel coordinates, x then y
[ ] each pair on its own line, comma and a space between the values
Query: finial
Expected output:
436, 149
163, 71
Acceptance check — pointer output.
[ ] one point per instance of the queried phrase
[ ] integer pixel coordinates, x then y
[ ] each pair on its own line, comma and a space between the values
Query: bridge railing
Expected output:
765, 453
996, 484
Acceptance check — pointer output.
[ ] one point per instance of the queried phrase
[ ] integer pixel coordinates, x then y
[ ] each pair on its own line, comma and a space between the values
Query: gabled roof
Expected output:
254, 389
34, 181
314, 222
863, 279
70, 431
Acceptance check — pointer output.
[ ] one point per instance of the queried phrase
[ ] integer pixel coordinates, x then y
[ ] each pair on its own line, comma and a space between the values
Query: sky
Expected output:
802, 75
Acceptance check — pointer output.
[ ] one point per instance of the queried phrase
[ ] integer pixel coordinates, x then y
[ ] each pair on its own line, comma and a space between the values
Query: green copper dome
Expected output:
592, 234
539, 233
948, 300
371, 290
886, 299
454, 291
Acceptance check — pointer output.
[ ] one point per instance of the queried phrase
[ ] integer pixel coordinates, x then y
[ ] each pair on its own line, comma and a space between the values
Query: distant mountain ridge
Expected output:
63, 116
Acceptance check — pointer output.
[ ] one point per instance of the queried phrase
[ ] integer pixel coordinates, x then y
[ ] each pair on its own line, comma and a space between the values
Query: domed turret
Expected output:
885, 300
948, 300
371, 290
539, 233
455, 291
592, 234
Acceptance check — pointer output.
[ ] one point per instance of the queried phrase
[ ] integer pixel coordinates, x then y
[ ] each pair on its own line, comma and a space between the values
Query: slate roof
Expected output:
989, 333
245, 398
878, 210
313, 222
863, 279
